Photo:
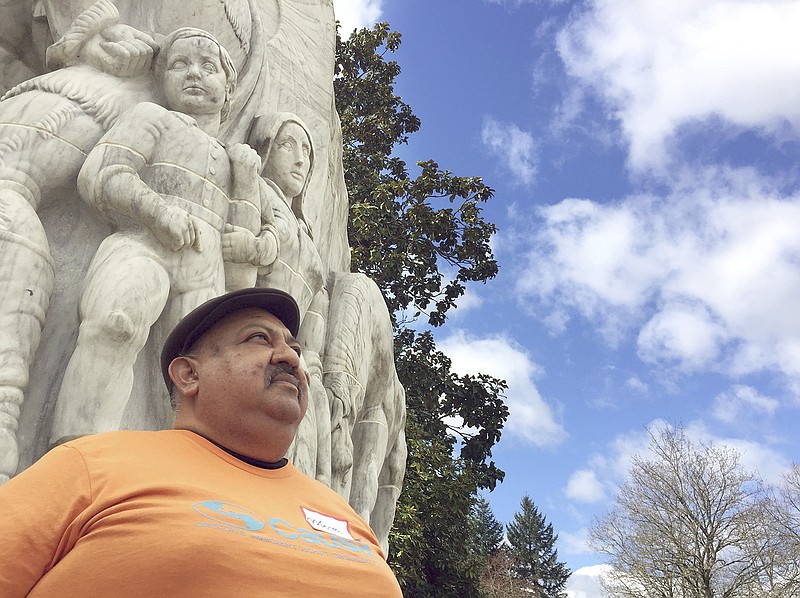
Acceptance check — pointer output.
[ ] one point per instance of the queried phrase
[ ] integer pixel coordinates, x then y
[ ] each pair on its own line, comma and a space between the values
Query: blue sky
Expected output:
644, 157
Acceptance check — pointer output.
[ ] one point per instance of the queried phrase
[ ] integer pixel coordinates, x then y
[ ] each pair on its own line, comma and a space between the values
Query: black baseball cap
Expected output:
201, 319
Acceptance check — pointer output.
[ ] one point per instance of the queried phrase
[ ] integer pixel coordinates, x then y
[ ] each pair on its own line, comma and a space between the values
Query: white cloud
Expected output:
468, 301
513, 146
583, 486
585, 582
742, 402
637, 384
687, 334
661, 65
530, 416
574, 543
704, 279
355, 14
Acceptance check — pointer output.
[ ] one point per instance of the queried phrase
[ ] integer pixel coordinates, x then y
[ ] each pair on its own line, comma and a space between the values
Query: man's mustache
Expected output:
283, 368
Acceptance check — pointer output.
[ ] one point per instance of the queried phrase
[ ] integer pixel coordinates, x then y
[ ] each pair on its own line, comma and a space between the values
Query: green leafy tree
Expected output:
431, 549
492, 556
533, 546
403, 228
421, 239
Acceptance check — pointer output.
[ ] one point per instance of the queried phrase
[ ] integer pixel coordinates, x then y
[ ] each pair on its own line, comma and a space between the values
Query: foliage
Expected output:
691, 522
421, 239
403, 229
533, 546
435, 395
430, 549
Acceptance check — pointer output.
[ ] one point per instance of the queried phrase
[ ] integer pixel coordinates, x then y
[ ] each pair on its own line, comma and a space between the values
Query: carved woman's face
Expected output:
194, 81
289, 160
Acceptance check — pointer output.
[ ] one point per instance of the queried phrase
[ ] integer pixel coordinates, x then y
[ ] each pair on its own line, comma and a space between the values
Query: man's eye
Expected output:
297, 350
261, 336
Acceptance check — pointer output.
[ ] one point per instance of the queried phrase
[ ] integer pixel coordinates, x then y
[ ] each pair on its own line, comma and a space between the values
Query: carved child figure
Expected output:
164, 182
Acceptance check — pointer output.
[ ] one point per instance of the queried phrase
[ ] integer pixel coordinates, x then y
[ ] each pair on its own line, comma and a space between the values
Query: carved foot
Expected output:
10, 401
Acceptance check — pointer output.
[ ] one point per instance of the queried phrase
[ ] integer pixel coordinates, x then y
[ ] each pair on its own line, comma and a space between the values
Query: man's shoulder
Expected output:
319, 489
125, 441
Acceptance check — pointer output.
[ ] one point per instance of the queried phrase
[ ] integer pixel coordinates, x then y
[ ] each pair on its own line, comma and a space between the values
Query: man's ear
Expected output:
183, 374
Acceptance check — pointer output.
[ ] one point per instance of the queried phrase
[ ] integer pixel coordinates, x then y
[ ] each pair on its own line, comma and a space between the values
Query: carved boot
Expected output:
10, 402
26, 282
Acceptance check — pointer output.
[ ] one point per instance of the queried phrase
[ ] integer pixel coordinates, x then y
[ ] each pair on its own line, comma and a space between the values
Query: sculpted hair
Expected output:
160, 66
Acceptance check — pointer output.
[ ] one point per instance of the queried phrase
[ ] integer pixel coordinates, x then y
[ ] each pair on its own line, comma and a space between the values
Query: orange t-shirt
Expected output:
135, 514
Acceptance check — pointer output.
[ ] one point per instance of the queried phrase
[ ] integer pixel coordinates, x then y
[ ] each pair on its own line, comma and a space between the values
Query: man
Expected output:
211, 508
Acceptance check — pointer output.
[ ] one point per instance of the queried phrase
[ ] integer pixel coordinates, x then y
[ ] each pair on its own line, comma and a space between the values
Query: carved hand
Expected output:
120, 50
244, 158
175, 228
241, 246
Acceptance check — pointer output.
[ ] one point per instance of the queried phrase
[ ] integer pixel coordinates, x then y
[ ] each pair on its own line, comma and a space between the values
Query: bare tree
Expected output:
781, 576
689, 522
498, 578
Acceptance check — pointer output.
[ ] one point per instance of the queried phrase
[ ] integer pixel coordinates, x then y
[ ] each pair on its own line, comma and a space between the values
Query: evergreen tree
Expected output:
487, 532
533, 545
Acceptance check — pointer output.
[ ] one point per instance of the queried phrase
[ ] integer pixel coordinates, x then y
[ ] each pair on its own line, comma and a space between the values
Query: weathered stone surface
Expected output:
171, 207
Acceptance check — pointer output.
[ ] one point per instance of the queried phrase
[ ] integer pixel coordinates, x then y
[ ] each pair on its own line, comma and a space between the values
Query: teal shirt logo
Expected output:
229, 514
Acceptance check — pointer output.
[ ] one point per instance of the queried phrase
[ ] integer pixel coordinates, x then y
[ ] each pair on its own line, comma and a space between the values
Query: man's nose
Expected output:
283, 352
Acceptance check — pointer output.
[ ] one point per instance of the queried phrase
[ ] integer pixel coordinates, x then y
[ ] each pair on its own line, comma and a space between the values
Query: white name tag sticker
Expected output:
326, 523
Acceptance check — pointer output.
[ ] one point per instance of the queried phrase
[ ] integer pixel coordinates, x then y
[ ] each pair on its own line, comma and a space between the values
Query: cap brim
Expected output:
201, 319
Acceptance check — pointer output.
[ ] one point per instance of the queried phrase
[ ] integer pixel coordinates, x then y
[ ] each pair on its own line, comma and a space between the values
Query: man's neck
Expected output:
249, 460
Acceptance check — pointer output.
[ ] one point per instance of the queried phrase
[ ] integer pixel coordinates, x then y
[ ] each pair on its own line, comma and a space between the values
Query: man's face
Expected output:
250, 386
289, 159
194, 81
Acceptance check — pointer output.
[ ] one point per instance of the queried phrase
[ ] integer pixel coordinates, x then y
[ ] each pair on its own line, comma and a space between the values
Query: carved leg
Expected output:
341, 430
124, 295
26, 282
370, 443
390, 483
318, 399
390, 480
312, 338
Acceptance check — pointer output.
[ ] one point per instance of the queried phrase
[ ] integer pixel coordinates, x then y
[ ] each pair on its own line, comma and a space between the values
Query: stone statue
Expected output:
172, 208
164, 182
284, 143
49, 124
368, 411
